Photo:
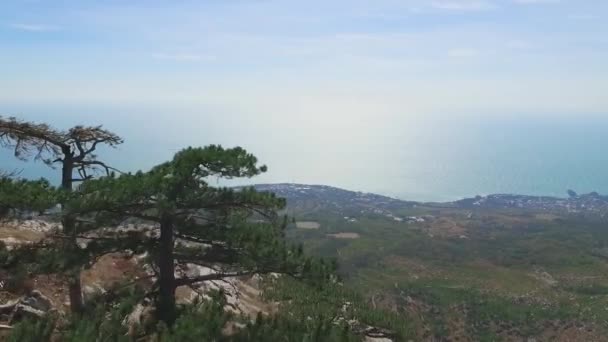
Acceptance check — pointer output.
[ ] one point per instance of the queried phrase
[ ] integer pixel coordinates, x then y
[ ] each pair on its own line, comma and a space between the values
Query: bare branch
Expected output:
86, 139
214, 276
81, 150
223, 275
81, 179
197, 240
84, 237
9, 174
51, 145
83, 165
28, 138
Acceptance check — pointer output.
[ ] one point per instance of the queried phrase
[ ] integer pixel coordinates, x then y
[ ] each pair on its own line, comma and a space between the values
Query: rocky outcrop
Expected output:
34, 304
17, 233
243, 294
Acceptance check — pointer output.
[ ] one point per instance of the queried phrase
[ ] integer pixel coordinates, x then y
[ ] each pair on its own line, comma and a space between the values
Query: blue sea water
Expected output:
542, 157
426, 160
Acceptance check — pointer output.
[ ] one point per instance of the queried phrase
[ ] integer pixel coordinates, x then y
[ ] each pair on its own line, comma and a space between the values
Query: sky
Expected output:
278, 75
420, 55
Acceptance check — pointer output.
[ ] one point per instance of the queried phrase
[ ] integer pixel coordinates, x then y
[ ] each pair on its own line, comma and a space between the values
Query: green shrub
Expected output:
30, 330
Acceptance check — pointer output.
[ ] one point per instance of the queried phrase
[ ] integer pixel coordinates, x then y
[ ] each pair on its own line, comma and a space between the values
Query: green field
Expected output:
472, 275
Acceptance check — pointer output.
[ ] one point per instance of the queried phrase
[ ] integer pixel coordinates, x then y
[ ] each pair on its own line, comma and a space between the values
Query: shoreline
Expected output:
576, 203
448, 200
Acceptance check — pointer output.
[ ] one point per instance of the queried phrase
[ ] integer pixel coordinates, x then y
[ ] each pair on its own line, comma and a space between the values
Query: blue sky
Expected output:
421, 56
324, 73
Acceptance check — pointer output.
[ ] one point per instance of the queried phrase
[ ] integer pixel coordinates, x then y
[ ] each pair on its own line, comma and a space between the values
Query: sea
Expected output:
418, 159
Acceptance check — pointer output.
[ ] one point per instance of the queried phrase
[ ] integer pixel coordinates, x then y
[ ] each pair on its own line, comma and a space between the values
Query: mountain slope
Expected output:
500, 267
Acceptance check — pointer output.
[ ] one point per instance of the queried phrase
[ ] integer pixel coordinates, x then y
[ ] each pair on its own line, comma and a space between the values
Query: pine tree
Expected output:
74, 150
17, 195
232, 231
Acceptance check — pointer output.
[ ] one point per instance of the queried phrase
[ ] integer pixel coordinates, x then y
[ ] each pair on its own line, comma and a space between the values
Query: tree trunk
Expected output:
67, 173
166, 299
75, 293
69, 228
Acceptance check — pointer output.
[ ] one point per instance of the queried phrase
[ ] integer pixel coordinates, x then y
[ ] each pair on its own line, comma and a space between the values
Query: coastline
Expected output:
576, 203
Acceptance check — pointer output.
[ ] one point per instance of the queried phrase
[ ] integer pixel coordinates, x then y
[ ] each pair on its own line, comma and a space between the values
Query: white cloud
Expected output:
34, 27
182, 57
462, 5
400, 52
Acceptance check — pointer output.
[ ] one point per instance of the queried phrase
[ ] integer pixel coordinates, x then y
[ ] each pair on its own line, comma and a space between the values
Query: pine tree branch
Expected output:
85, 237
84, 164
199, 240
214, 276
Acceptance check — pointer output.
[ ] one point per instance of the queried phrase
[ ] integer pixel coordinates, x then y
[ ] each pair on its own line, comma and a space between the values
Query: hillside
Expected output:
493, 268
322, 197
501, 267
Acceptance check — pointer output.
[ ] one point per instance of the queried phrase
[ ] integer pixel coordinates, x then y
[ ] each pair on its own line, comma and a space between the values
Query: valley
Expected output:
494, 268
500, 267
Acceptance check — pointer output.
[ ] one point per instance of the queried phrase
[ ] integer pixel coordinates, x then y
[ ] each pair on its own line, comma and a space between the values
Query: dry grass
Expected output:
308, 225
445, 227
112, 269
55, 288
411, 267
344, 235
20, 235
546, 217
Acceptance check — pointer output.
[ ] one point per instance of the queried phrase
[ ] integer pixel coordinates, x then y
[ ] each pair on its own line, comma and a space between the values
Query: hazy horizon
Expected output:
419, 99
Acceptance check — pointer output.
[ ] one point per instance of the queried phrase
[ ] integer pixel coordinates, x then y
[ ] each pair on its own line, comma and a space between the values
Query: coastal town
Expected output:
592, 203
352, 203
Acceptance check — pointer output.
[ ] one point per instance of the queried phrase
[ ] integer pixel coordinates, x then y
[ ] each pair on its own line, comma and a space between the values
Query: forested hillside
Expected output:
506, 268
158, 255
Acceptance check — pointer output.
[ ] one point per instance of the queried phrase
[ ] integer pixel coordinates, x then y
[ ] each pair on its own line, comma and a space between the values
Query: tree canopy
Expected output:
75, 150
25, 195
185, 221
76, 145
